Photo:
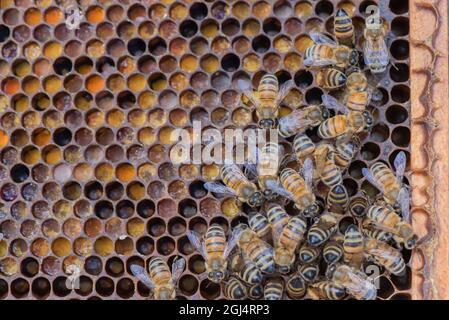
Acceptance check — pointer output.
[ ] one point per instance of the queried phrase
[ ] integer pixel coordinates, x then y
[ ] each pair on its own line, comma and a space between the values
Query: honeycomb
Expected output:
86, 122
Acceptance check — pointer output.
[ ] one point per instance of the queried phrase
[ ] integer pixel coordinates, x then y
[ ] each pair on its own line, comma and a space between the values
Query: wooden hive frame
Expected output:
429, 147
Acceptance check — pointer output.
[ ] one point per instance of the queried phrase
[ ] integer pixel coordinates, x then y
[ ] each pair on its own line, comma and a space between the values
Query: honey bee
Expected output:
343, 27
236, 183
301, 119
326, 290
332, 252
257, 251
255, 291
383, 178
326, 52
234, 289
355, 282
308, 254
160, 279
337, 199
358, 206
322, 229
357, 95
296, 287
309, 272
375, 49
287, 234
260, 225
250, 273
385, 218
330, 78
329, 172
386, 256
268, 167
353, 246
269, 96
299, 189
345, 151
345, 124
214, 250
274, 289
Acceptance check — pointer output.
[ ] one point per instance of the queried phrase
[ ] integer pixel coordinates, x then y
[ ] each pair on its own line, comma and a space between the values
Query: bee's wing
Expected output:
247, 91
195, 240
277, 231
359, 285
284, 89
140, 273
251, 170
321, 38
232, 241
384, 254
310, 62
277, 188
404, 203
295, 119
217, 187
307, 172
177, 268
399, 164
332, 103
369, 176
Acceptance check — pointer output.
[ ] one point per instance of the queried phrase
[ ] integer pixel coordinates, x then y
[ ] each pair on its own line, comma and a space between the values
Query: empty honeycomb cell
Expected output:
400, 49
401, 136
396, 114
29, 267
20, 288
400, 72
165, 246
93, 265
85, 286
188, 285
351, 186
145, 245
355, 169
115, 267
104, 286
400, 26
41, 288
398, 7
125, 288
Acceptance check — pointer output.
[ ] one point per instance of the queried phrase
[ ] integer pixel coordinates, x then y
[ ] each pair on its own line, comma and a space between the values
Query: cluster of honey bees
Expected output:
280, 254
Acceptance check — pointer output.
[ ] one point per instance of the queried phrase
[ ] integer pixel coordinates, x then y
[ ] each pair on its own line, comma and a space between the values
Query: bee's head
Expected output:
368, 119
410, 243
268, 123
311, 210
325, 113
284, 269
354, 57
256, 199
268, 193
216, 276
